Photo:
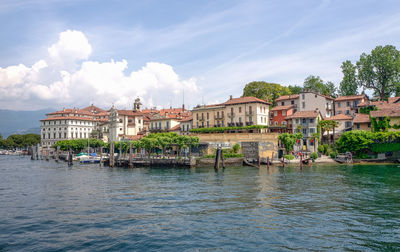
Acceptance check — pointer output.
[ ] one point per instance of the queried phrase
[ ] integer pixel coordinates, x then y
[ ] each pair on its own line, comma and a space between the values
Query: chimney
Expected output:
230, 97
183, 107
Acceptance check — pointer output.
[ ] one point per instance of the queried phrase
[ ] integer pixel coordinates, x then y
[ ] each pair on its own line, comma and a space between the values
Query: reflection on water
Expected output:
48, 206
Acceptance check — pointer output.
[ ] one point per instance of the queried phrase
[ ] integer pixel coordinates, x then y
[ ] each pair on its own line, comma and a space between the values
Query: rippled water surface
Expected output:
45, 206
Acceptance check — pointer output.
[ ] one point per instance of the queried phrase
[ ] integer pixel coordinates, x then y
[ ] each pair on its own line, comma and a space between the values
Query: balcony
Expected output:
201, 119
219, 117
249, 123
231, 115
249, 113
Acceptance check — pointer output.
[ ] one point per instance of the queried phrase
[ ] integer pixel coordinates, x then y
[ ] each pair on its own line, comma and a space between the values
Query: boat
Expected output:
89, 159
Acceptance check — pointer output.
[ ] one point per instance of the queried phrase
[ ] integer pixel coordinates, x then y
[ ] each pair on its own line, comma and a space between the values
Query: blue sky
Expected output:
210, 49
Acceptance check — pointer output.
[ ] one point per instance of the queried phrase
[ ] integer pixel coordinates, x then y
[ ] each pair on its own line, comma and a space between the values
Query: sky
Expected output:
56, 54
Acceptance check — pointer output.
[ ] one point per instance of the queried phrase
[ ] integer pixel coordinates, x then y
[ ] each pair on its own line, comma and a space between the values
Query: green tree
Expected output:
316, 84
295, 89
380, 71
348, 85
264, 90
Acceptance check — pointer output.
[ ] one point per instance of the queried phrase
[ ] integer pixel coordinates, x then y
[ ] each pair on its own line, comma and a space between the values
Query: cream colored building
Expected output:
243, 111
159, 123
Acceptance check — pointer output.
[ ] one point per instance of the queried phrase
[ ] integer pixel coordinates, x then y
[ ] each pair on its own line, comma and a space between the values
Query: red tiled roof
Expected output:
68, 118
351, 97
94, 109
304, 114
129, 112
131, 137
282, 107
187, 119
175, 128
340, 117
287, 97
245, 99
390, 112
361, 118
394, 99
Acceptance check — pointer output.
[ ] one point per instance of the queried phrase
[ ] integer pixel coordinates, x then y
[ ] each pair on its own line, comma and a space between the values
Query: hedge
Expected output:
223, 129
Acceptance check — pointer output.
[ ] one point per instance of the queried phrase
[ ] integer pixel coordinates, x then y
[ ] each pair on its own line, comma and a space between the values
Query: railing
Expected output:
219, 117
231, 114
249, 113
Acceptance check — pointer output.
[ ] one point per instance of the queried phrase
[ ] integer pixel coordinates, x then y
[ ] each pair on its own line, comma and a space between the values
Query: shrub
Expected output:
223, 129
333, 154
289, 157
321, 149
314, 156
236, 148
326, 149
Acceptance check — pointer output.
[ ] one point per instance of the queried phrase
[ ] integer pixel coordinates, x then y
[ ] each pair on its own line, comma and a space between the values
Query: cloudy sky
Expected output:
56, 53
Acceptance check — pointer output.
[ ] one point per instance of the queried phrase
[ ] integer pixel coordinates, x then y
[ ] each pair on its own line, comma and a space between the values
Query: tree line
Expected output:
378, 71
19, 141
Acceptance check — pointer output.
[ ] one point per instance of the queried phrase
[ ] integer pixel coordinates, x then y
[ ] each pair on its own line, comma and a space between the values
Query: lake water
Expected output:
46, 206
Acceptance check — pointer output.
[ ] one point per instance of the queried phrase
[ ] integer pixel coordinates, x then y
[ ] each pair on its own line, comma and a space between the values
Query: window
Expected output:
369, 125
208, 116
339, 112
338, 104
65, 134
202, 116
347, 112
276, 123
304, 131
276, 113
312, 130
297, 121
208, 124
283, 112
358, 126
59, 135
44, 136
304, 120
283, 103
348, 124
303, 104
292, 102
311, 120
217, 114
250, 118
80, 135
240, 119
197, 116
240, 110
348, 104
54, 134
84, 135
168, 123
72, 134
159, 125
250, 109
303, 96
222, 114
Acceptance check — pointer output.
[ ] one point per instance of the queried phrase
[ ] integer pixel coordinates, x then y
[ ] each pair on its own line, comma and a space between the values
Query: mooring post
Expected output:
216, 165
222, 158
112, 154
267, 162
38, 156
57, 153
301, 161
130, 155
70, 158
259, 161
101, 155
120, 154
47, 154
283, 161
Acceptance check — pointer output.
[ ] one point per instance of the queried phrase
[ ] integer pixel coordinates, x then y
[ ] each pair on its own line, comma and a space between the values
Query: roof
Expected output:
340, 117
175, 128
361, 118
245, 99
287, 97
276, 108
93, 109
68, 118
129, 112
394, 99
131, 137
187, 119
304, 114
390, 112
351, 97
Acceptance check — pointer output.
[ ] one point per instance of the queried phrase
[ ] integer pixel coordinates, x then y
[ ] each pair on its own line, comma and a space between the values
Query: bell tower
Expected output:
137, 105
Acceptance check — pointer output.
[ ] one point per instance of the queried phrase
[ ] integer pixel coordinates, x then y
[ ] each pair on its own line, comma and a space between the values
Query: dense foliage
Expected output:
223, 129
19, 141
380, 124
270, 91
348, 85
359, 141
380, 71
314, 156
288, 140
78, 144
366, 110
315, 83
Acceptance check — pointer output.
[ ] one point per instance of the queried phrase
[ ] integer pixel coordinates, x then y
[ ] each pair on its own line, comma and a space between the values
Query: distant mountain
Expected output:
21, 122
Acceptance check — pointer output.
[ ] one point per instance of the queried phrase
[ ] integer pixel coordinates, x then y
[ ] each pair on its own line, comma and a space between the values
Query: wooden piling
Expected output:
301, 161
267, 162
38, 156
47, 154
70, 163
216, 165
130, 155
259, 162
57, 154
120, 154
101, 155
222, 158
112, 154
283, 161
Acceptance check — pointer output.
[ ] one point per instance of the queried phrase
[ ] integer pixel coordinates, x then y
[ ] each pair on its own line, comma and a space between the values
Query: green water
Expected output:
46, 206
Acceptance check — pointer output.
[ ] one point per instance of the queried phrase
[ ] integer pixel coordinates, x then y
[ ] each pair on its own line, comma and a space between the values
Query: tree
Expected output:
348, 85
295, 89
264, 90
380, 71
316, 84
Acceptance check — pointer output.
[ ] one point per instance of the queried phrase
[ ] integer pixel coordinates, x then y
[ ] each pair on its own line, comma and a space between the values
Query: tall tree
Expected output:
380, 71
295, 89
315, 83
348, 85
264, 90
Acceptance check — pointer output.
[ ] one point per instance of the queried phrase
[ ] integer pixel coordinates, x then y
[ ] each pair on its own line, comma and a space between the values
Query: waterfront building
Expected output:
392, 113
348, 105
124, 124
277, 119
168, 119
186, 125
362, 122
306, 122
71, 124
243, 111
345, 123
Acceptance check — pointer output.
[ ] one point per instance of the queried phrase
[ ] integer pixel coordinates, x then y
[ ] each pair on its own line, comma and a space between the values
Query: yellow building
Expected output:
392, 113
243, 111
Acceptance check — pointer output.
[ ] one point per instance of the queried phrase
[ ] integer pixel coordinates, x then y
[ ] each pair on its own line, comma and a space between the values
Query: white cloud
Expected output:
57, 84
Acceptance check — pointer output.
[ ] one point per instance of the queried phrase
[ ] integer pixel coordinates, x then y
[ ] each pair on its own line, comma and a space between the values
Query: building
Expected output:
308, 101
361, 122
72, 124
306, 122
186, 125
243, 111
124, 124
166, 119
392, 113
345, 123
277, 119
348, 105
